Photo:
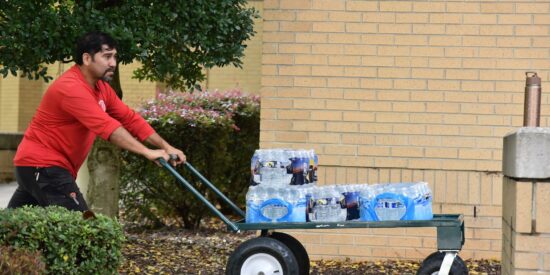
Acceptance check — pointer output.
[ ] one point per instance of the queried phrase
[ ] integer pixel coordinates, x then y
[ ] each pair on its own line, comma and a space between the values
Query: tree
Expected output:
173, 40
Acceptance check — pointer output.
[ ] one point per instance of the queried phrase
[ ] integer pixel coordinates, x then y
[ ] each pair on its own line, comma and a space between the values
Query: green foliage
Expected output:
68, 243
172, 39
218, 132
17, 261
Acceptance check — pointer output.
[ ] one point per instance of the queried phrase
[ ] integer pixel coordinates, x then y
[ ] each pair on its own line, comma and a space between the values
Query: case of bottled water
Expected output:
283, 167
276, 204
396, 201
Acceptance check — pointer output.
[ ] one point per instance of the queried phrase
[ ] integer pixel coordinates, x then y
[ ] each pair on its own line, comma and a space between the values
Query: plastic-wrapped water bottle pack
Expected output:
338, 203
283, 189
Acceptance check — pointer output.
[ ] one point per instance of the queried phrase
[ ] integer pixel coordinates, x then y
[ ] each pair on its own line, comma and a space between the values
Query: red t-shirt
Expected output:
70, 116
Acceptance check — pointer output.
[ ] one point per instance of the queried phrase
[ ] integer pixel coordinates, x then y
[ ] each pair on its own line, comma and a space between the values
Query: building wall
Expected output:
401, 90
247, 78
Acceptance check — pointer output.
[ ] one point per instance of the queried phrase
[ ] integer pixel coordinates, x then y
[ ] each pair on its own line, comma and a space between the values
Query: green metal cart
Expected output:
278, 253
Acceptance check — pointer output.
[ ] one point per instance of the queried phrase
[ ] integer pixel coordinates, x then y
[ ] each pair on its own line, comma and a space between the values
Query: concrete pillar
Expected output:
526, 202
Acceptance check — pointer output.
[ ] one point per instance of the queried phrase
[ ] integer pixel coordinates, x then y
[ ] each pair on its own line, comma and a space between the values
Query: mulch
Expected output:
205, 251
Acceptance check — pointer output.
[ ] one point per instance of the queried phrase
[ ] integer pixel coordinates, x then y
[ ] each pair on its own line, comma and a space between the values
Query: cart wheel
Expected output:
432, 264
262, 255
297, 248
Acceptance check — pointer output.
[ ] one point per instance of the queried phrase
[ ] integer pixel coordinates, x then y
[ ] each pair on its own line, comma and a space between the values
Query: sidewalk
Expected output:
6, 190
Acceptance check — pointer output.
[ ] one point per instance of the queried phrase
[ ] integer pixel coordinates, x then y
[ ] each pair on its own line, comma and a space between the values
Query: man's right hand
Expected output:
155, 154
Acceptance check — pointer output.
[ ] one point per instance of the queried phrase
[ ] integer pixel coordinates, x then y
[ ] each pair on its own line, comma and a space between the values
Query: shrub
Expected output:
68, 243
17, 261
217, 131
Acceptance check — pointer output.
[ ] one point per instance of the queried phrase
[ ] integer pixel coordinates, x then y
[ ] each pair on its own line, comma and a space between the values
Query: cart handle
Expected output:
215, 189
197, 194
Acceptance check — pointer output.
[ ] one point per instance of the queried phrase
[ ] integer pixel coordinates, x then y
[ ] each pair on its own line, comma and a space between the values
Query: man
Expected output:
76, 108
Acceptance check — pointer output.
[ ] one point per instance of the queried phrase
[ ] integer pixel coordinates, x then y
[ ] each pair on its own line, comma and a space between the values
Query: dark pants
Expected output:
46, 186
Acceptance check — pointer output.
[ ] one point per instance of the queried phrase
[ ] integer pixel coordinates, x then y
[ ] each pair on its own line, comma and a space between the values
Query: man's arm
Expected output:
122, 138
156, 140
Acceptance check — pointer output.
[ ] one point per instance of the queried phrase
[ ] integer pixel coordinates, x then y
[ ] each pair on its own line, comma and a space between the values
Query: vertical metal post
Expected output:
531, 108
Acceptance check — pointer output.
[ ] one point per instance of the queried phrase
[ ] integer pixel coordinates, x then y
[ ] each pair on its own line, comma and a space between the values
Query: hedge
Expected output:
68, 243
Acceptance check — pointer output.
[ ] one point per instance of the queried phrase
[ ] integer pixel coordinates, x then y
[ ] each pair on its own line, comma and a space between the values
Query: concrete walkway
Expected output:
6, 190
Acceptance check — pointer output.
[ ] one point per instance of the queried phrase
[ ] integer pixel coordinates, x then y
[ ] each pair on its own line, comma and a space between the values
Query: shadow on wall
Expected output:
8, 146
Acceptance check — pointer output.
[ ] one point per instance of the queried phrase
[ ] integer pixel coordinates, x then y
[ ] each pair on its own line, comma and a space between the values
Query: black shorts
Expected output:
43, 186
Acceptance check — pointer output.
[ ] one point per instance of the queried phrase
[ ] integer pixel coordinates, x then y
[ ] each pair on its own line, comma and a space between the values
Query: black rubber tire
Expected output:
297, 248
432, 264
267, 245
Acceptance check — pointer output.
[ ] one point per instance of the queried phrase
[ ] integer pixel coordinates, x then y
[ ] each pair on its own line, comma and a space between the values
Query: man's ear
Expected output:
86, 59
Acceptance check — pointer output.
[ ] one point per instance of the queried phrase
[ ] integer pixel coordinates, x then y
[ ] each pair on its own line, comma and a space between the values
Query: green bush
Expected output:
17, 261
218, 132
68, 243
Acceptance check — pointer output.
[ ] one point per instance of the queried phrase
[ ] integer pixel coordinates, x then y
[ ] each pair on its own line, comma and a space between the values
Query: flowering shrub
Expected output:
218, 132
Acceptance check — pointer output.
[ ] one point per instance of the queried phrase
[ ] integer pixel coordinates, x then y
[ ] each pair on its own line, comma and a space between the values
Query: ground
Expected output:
205, 251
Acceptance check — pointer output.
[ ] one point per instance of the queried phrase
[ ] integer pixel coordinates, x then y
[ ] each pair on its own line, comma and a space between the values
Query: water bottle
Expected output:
255, 178
254, 198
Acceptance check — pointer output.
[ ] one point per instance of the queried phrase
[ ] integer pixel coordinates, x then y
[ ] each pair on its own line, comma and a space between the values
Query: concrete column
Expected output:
526, 202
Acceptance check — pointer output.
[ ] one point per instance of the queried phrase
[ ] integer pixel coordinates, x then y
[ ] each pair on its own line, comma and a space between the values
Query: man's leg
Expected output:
24, 194
59, 188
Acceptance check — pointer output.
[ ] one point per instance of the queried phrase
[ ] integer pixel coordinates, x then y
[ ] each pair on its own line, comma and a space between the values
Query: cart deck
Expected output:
450, 236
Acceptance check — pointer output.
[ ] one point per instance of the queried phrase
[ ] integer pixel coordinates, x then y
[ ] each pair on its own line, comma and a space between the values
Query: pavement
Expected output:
6, 190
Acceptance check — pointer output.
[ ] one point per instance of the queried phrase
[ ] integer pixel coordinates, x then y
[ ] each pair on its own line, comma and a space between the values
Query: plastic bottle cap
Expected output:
532, 80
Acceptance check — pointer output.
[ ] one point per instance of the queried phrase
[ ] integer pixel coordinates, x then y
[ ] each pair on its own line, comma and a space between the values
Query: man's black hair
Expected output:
92, 43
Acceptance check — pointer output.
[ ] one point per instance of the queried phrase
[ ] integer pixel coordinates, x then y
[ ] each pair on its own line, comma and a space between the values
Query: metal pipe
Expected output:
531, 108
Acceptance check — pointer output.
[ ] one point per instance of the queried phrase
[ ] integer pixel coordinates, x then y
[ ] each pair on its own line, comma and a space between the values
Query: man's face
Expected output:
103, 63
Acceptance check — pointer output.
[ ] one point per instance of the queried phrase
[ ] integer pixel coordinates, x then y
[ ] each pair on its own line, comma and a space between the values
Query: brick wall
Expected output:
403, 90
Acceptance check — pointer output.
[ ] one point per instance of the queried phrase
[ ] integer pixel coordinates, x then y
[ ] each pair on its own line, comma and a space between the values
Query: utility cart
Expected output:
278, 253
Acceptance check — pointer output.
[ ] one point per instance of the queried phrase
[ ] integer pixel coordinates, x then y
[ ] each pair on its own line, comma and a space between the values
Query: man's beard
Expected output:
107, 78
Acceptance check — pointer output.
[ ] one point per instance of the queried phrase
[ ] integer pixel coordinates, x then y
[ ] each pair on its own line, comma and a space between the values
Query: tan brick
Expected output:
293, 114
374, 151
298, 26
394, 28
410, 84
446, 62
276, 103
416, 163
338, 16
361, 6
427, 51
444, 18
328, 27
441, 152
480, 19
541, 41
409, 107
279, 15
311, 37
310, 81
411, 18
405, 241
534, 243
294, 70
269, 70
531, 53
462, 7
377, 128
343, 82
394, 72
496, 30
292, 5
326, 93
427, 73
497, 8
277, 59
291, 136
462, 30
461, 52
442, 107
532, 7
359, 50
358, 116
306, 126
349, 150
392, 117
343, 60
357, 161
546, 265
428, 6
542, 198
447, 40
478, 63
360, 72
523, 203
488, 41
377, 61
374, 83
426, 118
321, 16
395, 6
407, 152
279, 37
270, 26
314, 137
311, 59
327, 71
327, 49
360, 94
541, 19
526, 260
515, 19
361, 28
458, 164
342, 127
379, 17
309, 103
375, 106
391, 162
280, 125
322, 249
391, 140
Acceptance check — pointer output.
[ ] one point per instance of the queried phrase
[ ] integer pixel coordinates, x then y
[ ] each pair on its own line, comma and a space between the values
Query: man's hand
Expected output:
179, 156
155, 154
